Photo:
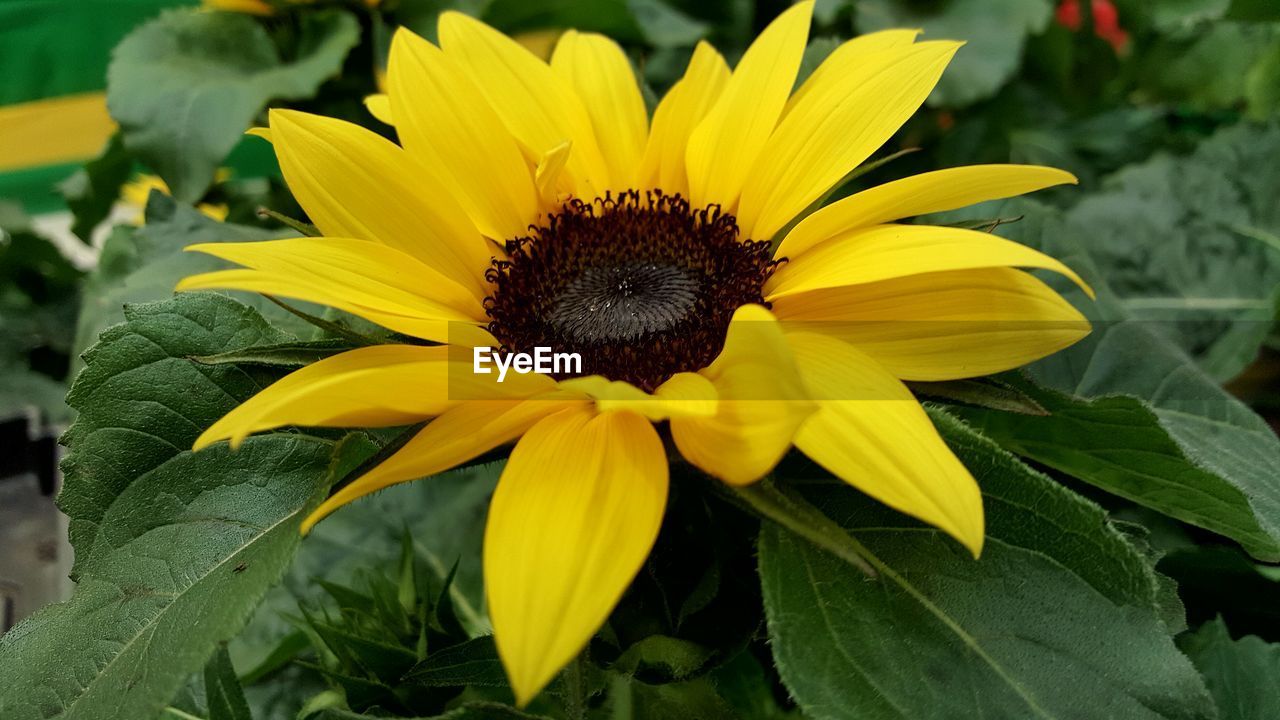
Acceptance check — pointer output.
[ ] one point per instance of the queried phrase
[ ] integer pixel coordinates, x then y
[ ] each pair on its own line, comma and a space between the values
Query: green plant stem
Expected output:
180, 714
798, 516
323, 324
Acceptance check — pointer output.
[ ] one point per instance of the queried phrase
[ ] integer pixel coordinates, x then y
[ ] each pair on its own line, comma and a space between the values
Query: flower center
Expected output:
641, 286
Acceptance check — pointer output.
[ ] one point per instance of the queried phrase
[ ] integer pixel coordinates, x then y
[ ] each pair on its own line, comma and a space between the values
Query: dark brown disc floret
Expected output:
640, 285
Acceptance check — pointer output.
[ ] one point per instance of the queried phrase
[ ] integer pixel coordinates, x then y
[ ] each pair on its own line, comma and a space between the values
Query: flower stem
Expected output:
336, 329
792, 512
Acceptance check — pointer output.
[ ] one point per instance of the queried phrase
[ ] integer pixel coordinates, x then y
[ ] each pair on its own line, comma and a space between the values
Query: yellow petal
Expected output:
882, 252
376, 282
838, 124
847, 57
576, 513
379, 106
353, 183
550, 174
445, 121
679, 112
459, 434
872, 433
919, 195
599, 71
942, 326
725, 145
538, 107
379, 386
682, 395
761, 403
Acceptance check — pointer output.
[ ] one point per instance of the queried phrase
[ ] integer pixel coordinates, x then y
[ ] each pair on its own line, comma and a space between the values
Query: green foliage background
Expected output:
1131, 483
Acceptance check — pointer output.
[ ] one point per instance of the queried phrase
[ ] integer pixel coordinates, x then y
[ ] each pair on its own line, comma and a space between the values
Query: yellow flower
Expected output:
536, 204
136, 191
261, 7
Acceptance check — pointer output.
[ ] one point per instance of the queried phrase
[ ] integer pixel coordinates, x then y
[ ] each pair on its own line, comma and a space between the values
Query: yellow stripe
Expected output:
52, 131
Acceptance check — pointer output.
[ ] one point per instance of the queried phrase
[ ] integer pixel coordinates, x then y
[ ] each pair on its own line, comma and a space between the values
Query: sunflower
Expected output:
533, 204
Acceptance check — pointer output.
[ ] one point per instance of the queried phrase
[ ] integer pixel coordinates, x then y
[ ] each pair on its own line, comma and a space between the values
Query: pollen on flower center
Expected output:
641, 285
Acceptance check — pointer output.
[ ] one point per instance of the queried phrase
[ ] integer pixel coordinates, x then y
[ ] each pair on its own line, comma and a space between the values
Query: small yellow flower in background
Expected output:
535, 204
136, 191
261, 7
253, 7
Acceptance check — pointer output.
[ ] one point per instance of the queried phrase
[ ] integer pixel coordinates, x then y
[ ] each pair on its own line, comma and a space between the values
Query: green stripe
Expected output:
36, 189
50, 48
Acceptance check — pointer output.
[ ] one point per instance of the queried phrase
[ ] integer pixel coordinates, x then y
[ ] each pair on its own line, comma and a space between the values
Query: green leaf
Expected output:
174, 549
291, 355
667, 657
1191, 243
144, 264
1191, 452
222, 689
445, 516
610, 17
1241, 674
664, 26
142, 403
984, 393
1170, 15
469, 711
186, 553
1219, 580
185, 86
1136, 416
474, 662
814, 54
631, 699
941, 635
993, 50
1205, 71
39, 293
1262, 85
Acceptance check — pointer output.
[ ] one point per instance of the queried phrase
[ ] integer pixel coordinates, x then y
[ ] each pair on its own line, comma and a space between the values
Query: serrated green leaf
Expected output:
222, 690
174, 548
1241, 674
377, 656
1155, 455
173, 574
993, 51
474, 662
142, 403
185, 86
940, 635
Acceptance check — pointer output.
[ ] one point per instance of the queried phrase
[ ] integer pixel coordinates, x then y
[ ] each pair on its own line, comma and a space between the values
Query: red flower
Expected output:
1106, 21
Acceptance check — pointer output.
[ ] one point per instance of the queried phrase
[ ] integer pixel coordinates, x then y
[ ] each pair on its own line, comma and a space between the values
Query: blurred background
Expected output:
121, 140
